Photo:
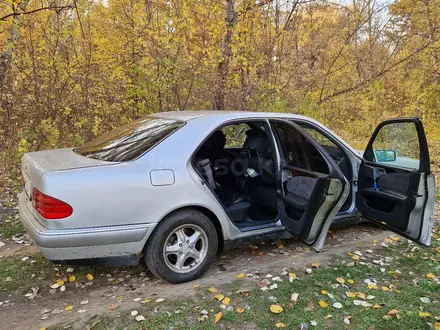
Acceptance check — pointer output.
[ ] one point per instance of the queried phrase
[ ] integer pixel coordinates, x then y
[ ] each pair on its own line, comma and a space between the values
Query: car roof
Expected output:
222, 115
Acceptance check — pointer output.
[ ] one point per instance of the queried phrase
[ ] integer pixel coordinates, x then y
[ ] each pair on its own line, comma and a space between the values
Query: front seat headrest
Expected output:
216, 141
256, 140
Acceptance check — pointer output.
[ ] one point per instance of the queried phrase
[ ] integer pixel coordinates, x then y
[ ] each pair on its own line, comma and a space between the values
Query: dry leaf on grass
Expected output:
323, 304
276, 309
218, 316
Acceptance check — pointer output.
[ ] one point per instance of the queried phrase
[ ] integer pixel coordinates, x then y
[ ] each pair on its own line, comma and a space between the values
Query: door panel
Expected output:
393, 179
309, 195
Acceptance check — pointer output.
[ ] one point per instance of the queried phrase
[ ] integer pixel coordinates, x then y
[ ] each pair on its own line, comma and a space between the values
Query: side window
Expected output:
298, 151
319, 137
235, 135
397, 144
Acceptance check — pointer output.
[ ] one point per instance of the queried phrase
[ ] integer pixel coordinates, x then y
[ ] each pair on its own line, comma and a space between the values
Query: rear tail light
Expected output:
49, 207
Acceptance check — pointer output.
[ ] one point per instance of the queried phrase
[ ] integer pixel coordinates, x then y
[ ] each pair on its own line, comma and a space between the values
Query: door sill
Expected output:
250, 225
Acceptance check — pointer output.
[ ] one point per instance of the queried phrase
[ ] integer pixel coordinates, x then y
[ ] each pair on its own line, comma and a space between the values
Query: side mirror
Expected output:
385, 155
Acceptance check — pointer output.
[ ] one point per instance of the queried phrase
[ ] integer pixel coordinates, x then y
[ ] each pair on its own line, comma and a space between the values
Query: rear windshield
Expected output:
130, 141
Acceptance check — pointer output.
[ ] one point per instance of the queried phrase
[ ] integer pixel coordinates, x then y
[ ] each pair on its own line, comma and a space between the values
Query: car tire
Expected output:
160, 253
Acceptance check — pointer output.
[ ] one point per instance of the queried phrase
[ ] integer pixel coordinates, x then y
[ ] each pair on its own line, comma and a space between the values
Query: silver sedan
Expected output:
174, 188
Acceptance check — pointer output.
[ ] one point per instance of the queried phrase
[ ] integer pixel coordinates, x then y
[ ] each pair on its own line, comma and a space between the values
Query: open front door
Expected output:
396, 187
311, 190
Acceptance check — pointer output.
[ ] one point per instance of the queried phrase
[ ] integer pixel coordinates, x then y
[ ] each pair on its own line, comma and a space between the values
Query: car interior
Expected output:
238, 164
335, 152
387, 191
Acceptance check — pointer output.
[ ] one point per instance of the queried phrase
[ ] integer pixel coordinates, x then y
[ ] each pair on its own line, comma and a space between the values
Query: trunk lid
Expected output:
35, 164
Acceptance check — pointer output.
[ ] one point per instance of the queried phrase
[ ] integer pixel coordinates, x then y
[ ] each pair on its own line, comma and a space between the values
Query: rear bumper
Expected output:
84, 243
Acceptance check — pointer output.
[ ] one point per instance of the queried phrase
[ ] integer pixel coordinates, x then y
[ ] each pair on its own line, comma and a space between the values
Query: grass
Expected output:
18, 276
405, 276
9, 229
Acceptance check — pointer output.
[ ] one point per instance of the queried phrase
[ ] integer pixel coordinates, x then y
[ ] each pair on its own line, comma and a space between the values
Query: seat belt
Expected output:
205, 165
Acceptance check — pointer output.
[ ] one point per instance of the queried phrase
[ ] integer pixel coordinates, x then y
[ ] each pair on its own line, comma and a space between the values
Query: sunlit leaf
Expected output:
276, 309
218, 316
323, 304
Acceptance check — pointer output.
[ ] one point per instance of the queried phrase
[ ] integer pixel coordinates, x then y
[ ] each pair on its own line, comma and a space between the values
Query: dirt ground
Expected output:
21, 313
123, 285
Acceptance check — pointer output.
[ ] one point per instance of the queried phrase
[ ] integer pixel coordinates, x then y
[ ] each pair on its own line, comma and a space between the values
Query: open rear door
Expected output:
396, 186
311, 190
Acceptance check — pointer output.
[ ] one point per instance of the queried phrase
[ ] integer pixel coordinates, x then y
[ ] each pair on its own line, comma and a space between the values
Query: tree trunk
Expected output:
223, 66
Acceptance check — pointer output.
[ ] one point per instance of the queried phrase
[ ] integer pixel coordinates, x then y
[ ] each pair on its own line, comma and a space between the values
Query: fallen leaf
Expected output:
68, 308
310, 305
72, 278
212, 290
276, 309
292, 277
424, 314
197, 286
219, 297
385, 288
159, 300
294, 297
316, 264
437, 326
280, 325
239, 310
393, 312
350, 294
337, 305
60, 282
340, 280
113, 306
140, 318
313, 323
350, 281
324, 291
218, 316
372, 286
90, 277
146, 301
377, 306
395, 238
134, 313
430, 276
323, 304
226, 301
347, 320
240, 275
355, 257
425, 300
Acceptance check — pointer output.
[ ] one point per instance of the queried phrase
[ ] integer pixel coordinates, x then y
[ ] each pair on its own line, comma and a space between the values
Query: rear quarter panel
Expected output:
122, 194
